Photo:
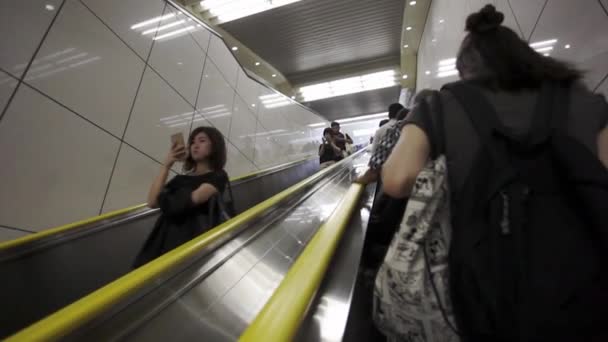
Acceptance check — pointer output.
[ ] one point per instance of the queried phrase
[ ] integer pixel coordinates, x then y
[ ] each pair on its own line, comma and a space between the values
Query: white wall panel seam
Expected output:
537, 21
601, 82
124, 131
29, 64
521, 32
116, 34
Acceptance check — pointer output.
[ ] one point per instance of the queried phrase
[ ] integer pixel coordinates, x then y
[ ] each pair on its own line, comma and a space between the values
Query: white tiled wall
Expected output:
581, 24
89, 98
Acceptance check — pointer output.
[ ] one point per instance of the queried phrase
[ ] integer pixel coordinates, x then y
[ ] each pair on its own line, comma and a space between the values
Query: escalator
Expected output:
44, 272
214, 288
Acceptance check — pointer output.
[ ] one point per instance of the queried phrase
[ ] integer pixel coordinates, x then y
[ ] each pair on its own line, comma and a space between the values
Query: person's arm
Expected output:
336, 148
203, 193
370, 176
602, 146
405, 162
177, 152
348, 139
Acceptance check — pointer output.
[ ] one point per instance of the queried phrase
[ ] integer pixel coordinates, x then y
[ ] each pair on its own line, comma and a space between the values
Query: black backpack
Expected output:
530, 230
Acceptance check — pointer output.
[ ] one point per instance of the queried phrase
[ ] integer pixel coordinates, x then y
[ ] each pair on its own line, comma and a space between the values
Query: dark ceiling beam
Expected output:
352, 105
337, 71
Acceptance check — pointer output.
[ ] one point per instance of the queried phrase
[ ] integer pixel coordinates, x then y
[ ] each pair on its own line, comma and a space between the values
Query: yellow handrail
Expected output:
57, 230
69, 318
282, 315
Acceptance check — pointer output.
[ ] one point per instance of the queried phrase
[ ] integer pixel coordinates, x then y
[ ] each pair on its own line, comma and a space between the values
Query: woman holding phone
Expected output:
329, 152
189, 203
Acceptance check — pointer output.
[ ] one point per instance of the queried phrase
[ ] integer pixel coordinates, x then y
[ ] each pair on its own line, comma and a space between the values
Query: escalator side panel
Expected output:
45, 280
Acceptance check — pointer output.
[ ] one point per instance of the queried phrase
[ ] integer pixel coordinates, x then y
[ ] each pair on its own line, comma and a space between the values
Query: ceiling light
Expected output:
293, 97
544, 49
441, 21
274, 75
235, 48
412, 3
227, 10
448, 61
404, 77
49, 7
274, 100
363, 117
546, 54
405, 46
162, 28
433, 40
408, 28
257, 63
446, 67
447, 73
349, 85
428, 72
567, 46
253, 105
543, 43
152, 21
173, 33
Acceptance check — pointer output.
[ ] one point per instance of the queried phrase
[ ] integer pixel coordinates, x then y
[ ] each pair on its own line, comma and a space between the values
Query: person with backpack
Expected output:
191, 203
526, 148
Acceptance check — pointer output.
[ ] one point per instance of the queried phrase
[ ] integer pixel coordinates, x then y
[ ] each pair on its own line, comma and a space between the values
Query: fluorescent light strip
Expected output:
350, 85
162, 28
447, 73
364, 117
447, 67
543, 43
544, 49
447, 61
173, 33
152, 21
230, 10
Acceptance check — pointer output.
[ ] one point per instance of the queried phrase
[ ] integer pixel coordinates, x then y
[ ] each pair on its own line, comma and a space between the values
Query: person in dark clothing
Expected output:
502, 72
341, 139
329, 152
188, 202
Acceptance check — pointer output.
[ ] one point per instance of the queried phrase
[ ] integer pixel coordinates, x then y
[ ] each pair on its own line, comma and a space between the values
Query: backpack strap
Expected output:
434, 123
483, 117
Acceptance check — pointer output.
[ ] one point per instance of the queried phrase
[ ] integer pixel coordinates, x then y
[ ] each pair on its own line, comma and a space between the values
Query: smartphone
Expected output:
178, 139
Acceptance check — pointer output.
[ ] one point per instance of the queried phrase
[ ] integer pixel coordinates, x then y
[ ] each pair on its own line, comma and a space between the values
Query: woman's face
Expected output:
200, 148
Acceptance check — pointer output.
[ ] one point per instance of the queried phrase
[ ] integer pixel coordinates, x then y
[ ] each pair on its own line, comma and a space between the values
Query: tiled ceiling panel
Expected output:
311, 35
368, 102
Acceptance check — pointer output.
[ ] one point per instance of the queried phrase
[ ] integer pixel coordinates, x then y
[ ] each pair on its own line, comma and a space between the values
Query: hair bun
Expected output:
485, 20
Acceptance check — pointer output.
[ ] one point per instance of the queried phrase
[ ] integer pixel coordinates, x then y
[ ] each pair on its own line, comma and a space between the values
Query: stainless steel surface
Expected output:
44, 276
327, 317
216, 299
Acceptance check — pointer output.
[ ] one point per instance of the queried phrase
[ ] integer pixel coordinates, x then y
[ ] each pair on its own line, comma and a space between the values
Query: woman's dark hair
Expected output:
383, 122
495, 55
217, 157
328, 130
393, 109
402, 114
